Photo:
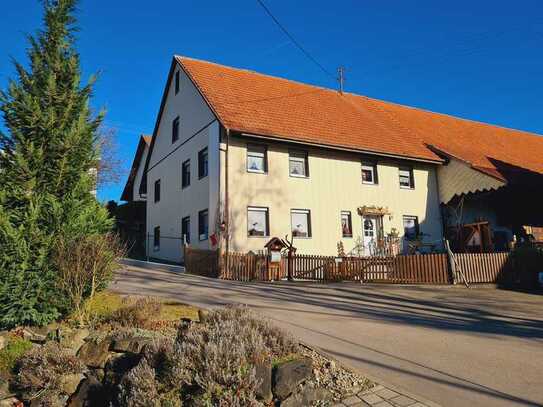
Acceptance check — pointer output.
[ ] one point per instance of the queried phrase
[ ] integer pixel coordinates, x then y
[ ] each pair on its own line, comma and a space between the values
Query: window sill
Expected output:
370, 183
408, 188
185, 187
257, 172
258, 237
299, 176
347, 237
202, 177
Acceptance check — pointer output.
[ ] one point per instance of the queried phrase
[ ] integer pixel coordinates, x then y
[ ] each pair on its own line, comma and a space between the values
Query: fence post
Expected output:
452, 263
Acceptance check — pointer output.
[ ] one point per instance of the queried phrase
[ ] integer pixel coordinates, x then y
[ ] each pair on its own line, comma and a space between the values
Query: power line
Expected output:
296, 43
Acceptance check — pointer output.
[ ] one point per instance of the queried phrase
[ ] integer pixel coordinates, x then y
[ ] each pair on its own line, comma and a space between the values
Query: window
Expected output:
257, 221
257, 160
175, 129
185, 229
406, 178
300, 220
369, 173
202, 163
185, 174
346, 224
157, 190
410, 227
203, 227
177, 82
298, 164
156, 238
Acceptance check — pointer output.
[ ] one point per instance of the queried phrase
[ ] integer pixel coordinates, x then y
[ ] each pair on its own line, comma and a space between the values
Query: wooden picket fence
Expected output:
410, 269
485, 267
245, 267
415, 269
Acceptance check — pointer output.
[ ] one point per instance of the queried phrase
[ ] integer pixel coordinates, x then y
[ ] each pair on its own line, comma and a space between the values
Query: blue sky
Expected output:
481, 59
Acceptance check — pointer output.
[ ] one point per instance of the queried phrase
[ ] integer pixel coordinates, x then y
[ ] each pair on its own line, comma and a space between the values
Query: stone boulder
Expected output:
118, 365
289, 375
4, 389
94, 354
133, 345
306, 395
90, 393
70, 382
3, 339
263, 372
72, 339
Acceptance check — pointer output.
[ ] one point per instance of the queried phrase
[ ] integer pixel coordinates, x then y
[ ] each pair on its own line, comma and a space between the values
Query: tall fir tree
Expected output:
46, 169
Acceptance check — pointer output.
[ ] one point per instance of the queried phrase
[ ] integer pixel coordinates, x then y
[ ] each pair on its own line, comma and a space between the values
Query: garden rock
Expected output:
4, 389
263, 373
10, 402
35, 335
70, 382
3, 339
288, 375
74, 339
90, 393
306, 396
134, 345
95, 354
118, 365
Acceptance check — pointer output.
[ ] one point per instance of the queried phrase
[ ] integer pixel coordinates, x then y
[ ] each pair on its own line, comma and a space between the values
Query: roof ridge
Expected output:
181, 57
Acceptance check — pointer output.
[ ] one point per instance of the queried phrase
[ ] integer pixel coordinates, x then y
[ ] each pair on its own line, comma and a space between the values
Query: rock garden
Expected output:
145, 352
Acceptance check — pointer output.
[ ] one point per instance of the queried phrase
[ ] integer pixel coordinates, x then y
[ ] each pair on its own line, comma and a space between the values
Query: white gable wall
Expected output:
139, 173
198, 129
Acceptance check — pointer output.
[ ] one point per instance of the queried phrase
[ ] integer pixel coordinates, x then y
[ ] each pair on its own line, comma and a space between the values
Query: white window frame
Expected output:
417, 226
267, 220
309, 231
203, 236
373, 169
411, 176
260, 151
299, 156
350, 220
185, 236
156, 247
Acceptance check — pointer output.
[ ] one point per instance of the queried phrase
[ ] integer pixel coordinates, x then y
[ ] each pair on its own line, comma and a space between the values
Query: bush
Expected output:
40, 372
527, 261
136, 314
15, 348
209, 364
86, 265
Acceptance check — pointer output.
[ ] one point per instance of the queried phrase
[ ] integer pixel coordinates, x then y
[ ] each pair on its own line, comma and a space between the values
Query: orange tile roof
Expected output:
250, 102
144, 142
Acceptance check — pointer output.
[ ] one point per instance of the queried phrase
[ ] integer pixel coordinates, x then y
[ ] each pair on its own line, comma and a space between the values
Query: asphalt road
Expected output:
450, 345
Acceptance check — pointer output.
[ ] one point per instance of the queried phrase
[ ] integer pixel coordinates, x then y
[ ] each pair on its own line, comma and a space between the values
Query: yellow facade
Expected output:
334, 185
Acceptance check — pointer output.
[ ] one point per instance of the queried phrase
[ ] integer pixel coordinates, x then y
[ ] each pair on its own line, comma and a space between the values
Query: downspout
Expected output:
226, 204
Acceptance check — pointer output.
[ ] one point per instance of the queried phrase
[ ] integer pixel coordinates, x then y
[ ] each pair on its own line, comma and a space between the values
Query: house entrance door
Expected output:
371, 231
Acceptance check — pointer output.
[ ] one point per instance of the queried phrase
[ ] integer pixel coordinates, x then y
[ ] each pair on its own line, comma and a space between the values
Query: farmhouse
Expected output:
237, 157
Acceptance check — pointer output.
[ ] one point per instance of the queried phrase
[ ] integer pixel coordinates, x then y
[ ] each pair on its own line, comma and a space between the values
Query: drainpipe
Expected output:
226, 204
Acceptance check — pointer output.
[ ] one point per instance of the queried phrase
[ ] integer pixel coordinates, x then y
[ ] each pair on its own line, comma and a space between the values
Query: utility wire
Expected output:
291, 37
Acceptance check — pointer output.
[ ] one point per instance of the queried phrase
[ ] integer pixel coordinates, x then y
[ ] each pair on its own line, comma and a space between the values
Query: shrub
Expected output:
136, 314
209, 364
15, 348
86, 265
40, 371
153, 376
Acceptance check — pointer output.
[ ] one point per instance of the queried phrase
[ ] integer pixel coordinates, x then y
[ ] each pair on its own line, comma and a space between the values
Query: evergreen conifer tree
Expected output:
46, 169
